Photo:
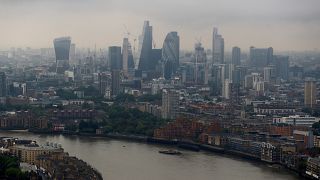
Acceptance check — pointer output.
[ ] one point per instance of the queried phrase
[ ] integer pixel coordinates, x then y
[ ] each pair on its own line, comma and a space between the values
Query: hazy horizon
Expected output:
281, 24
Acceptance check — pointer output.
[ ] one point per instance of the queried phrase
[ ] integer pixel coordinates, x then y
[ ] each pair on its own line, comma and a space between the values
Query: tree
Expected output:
66, 94
122, 98
9, 168
150, 98
316, 125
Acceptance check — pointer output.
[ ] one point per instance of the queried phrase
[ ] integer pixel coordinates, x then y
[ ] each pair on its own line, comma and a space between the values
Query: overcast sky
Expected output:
282, 24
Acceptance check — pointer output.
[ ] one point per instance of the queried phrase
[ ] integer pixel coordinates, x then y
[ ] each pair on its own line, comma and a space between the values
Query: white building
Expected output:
297, 120
226, 89
170, 103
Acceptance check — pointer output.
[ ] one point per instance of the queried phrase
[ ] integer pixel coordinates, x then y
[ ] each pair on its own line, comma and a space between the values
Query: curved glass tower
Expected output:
62, 51
170, 54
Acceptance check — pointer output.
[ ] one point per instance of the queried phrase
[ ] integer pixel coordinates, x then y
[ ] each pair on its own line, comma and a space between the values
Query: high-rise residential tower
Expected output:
310, 93
236, 55
62, 51
170, 103
269, 74
217, 47
145, 48
170, 54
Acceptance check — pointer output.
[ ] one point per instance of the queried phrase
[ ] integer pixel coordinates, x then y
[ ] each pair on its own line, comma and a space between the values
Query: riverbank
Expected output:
177, 143
112, 156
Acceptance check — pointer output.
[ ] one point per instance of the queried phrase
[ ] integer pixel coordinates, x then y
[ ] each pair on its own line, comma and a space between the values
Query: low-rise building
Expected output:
29, 153
281, 129
305, 136
297, 120
313, 168
270, 153
274, 110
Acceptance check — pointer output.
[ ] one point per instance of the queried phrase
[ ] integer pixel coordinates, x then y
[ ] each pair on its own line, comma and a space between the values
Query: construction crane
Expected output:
128, 34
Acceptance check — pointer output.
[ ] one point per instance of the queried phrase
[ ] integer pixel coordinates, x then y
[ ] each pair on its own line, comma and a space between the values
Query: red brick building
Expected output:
282, 129
186, 129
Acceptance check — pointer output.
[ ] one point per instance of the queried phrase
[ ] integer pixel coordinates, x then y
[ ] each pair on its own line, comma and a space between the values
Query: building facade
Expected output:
170, 54
145, 47
310, 93
236, 56
62, 51
115, 58
170, 103
261, 57
217, 47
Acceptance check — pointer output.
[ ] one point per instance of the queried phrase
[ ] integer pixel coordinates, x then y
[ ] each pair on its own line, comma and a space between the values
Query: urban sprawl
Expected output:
254, 103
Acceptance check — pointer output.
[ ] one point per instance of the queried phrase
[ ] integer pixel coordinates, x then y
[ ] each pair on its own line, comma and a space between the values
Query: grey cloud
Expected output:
89, 19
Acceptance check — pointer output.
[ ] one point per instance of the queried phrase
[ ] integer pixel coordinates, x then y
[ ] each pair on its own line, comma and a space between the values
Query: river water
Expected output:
125, 160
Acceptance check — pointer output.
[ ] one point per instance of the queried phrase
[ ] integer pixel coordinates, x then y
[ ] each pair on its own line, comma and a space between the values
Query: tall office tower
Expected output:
282, 67
217, 47
73, 54
145, 47
104, 80
200, 64
310, 93
62, 51
218, 78
115, 58
238, 76
3, 84
127, 56
226, 90
170, 54
269, 74
188, 74
115, 86
230, 71
236, 55
170, 104
261, 57
155, 59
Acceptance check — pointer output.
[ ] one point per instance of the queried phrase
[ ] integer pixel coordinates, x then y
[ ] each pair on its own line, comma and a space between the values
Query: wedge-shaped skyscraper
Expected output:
145, 48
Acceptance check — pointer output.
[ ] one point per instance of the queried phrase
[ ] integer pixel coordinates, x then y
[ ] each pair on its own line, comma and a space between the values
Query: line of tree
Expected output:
124, 121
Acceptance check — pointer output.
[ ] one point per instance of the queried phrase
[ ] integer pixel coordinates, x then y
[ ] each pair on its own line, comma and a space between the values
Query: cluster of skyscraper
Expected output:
149, 63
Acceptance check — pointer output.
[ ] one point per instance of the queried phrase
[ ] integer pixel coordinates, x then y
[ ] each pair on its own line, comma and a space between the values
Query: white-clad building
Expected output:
297, 120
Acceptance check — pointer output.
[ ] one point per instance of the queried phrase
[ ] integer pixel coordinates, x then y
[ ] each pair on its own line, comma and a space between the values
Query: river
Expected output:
125, 160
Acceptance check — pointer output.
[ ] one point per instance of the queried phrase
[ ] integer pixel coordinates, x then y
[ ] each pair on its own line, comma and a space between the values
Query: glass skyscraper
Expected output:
170, 54
145, 48
115, 57
62, 51
261, 57
217, 48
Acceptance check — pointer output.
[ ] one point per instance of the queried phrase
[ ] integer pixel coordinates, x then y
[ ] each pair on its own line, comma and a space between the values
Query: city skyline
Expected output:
243, 24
